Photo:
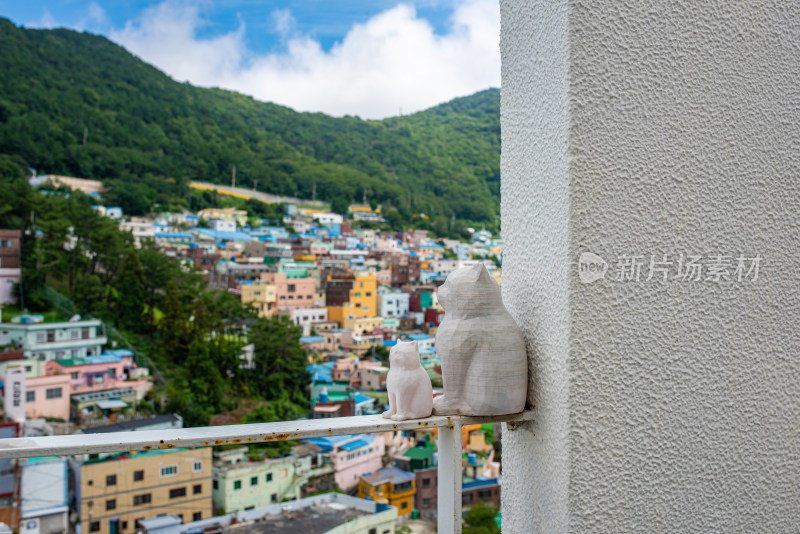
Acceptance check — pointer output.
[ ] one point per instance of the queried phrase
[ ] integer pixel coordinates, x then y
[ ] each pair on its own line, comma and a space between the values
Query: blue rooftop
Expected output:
419, 337
389, 342
479, 483
175, 235
359, 398
327, 443
225, 236
312, 339
353, 445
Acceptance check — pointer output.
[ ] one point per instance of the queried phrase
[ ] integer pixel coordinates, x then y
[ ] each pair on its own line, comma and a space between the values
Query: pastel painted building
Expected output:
364, 294
43, 496
393, 304
291, 293
47, 396
109, 370
390, 483
261, 296
49, 341
352, 456
241, 484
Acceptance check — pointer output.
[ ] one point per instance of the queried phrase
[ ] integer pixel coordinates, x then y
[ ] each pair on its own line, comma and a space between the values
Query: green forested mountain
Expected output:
77, 104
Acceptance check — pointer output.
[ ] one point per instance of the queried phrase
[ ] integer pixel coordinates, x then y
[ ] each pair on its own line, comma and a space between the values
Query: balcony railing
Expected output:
448, 444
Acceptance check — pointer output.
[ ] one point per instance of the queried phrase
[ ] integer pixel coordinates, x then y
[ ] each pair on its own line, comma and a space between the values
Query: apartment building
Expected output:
261, 296
47, 341
112, 493
393, 304
241, 484
291, 293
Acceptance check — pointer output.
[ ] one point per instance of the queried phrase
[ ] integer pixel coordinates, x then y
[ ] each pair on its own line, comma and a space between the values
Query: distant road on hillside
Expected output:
256, 195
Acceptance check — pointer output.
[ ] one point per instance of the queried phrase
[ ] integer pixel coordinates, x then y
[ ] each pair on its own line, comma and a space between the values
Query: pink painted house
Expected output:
47, 396
112, 369
291, 293
352, 456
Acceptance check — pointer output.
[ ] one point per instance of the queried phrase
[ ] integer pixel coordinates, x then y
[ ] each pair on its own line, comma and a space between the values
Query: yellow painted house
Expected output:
390, 483
364, 295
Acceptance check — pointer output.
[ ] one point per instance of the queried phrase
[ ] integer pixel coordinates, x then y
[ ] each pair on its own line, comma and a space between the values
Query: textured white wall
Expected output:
644, 128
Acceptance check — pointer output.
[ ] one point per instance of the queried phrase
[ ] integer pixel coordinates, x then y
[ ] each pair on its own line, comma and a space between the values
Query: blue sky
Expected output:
373, 58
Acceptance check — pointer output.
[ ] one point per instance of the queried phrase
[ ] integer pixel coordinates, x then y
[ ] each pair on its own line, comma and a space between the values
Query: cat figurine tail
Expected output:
409, 387
484, 361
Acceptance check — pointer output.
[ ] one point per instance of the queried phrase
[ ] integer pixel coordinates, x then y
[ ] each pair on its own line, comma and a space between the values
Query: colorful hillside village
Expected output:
354, 292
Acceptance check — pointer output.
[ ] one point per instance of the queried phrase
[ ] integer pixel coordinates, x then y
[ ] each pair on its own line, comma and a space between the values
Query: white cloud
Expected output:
395, 61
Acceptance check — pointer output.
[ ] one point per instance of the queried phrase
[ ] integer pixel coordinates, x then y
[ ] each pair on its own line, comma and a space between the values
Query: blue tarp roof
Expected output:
389, 342
419, 337
311, 339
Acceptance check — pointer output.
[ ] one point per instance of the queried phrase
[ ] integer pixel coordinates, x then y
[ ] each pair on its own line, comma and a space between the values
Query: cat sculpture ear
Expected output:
481, 273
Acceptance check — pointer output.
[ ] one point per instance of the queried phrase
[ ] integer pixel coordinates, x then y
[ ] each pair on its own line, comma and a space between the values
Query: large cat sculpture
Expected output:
484, 363
408, 385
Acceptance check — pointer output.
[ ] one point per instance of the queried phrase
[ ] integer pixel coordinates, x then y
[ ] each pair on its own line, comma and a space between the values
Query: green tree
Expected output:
173, 326
206, 383
129, 303
280, 361
88, 294
480, 519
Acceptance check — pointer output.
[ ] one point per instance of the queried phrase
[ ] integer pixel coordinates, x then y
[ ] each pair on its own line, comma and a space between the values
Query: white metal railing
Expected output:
449, 444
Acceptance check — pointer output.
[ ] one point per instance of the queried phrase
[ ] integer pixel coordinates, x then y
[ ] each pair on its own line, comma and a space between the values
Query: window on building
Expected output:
369, 293
59, 354
144, 498
215, 484
74, 333
41, 337
85, 332
111, 504
197, 516
273, 497
175, 493
51, 336
111, 480
124, 525
75, 376
138, 475
403, 505
169, 470
426, 503
30, 396
291, 288
269, 477
253, 481
94, 526
197, 466
373, 531
197, 488
237, 484
426, 483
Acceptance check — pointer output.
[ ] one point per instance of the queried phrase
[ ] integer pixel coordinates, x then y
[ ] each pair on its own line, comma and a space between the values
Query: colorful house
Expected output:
112, 369
352, 456
391, 483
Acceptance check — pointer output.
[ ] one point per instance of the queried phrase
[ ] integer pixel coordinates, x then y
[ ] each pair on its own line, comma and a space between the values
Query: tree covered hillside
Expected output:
77, 104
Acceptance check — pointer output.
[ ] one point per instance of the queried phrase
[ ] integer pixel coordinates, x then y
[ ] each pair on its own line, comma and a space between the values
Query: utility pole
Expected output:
233, 176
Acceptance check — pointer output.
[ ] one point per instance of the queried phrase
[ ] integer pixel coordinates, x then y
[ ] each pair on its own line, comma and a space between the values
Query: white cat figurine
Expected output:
409, 387
484, 362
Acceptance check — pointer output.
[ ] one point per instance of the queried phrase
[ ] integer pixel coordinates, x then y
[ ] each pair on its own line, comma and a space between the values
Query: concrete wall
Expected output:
637, 129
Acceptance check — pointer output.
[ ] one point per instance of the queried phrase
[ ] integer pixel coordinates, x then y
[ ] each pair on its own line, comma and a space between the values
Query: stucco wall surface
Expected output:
653, 130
